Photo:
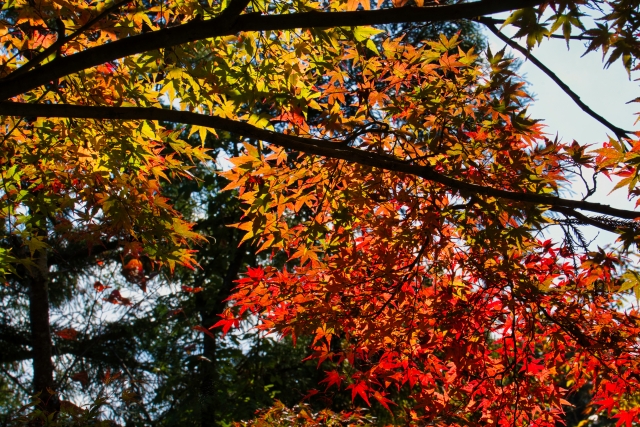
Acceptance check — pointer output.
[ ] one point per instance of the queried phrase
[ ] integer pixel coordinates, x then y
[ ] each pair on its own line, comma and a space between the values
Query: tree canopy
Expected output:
432, 244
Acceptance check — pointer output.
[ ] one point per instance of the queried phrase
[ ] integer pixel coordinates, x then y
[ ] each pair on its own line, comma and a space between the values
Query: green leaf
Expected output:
364, 33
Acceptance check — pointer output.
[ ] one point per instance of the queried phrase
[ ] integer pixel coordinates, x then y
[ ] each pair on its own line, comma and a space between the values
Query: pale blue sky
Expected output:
606, 91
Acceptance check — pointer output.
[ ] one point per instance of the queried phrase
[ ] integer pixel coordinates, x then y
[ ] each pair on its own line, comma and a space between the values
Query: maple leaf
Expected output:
99, 287
82, 377
110, 377
115, 297
205, 331
323, 332
626, 417
67, 334
354, 4
193, 290
133, 270
404, 183
384, 401
310, 394
359, 388
332, 378
226, 323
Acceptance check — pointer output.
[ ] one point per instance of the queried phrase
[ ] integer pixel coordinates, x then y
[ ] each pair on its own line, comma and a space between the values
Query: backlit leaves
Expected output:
448, 293
406, 282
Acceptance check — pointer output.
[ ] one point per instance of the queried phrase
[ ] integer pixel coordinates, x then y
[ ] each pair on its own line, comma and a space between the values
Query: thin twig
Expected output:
15, 380
137, 389
553, 36
619, 132
224, 25
34, 62
315, 146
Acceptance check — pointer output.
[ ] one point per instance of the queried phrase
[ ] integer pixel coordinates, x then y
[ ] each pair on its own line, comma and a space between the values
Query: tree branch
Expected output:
233, 10
15, 380
134, 385
34, 62
319, 147
13, 344
222, 25
81, 252
619, 132
14, 336
597, 222
488, 20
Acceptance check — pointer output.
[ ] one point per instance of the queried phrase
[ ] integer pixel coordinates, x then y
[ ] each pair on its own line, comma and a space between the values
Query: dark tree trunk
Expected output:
208, 374
210, 304
41, 334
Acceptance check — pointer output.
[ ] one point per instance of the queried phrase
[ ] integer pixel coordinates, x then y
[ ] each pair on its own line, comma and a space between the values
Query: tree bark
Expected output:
43, 382
321, 147
227, 24
209, 310
208, 371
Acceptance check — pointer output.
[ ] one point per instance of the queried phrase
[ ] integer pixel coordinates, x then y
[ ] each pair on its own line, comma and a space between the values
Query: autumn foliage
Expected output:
410, 192
448, 293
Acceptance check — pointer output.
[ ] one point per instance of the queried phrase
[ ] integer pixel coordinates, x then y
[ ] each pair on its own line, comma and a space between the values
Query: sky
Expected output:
606, 91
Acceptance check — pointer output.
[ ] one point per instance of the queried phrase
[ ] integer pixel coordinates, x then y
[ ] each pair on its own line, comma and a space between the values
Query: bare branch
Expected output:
15, 380
319, 147
134, 385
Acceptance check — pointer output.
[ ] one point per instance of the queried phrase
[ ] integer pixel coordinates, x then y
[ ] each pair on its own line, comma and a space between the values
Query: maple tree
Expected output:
421, 184
168, 368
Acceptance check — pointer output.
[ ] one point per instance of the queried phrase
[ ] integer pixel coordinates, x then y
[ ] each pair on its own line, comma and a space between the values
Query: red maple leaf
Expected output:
360, 388
332, 378
98, 286
205, 331
67, 334
116, 298
82, 377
